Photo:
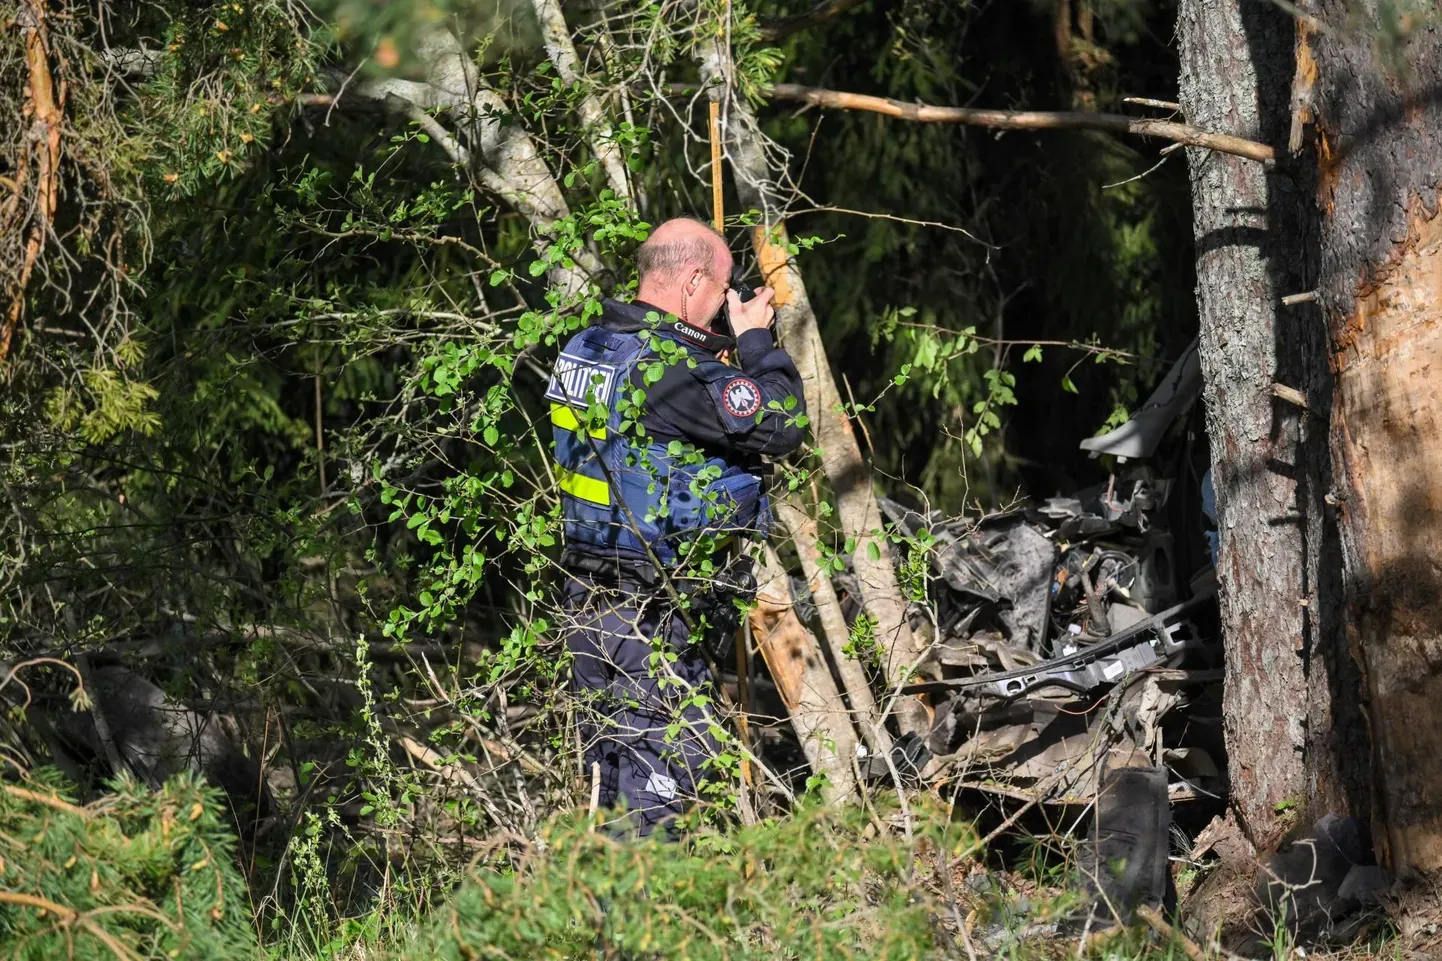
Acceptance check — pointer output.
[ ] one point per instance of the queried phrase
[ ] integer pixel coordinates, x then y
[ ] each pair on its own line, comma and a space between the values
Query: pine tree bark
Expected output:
1288, 719
1379, 185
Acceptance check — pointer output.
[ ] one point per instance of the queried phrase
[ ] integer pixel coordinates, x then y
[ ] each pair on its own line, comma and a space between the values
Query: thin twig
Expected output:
1166, 155
1149, 102
892, 217
595, 804
1154, 921
14, 675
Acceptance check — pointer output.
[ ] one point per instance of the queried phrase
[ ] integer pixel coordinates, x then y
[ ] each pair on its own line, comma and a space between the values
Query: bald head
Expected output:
684, 268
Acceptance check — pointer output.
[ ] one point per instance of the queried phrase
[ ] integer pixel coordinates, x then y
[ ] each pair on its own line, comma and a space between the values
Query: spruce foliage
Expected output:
139, 874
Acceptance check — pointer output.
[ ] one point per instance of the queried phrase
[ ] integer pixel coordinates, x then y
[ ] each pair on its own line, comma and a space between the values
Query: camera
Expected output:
745, 291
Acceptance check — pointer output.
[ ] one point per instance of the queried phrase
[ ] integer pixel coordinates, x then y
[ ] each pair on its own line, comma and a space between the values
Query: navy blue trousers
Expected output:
634, 673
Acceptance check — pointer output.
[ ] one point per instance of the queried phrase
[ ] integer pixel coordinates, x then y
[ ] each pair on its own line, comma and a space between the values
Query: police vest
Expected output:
621, 495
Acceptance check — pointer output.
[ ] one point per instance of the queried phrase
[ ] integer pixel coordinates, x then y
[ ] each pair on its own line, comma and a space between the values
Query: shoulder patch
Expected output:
741, 396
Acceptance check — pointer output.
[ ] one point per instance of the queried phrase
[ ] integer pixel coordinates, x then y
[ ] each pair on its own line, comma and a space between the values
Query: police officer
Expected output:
658, 445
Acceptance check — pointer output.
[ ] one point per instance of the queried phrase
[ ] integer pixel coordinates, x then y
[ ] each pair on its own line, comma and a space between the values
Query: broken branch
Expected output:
1181, 133
1154, 920
1290, 395
46, 111
60, 804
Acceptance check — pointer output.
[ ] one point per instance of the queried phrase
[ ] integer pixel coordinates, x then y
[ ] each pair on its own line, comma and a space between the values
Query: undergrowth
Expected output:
143, 875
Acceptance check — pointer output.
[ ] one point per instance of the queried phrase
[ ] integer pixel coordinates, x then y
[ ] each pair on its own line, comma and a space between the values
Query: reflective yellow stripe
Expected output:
584, 488
565, 418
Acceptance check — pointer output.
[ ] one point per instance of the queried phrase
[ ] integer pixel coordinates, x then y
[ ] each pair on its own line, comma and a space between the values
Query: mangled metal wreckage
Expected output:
1079, 635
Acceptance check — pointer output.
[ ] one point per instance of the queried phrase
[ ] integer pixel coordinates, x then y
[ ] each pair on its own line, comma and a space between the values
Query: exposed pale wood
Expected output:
718, 207
1378, 137
44, 107
1388, 434
848, 474
1304, 84
802, 528
1028, 119
1291, 395
804, 681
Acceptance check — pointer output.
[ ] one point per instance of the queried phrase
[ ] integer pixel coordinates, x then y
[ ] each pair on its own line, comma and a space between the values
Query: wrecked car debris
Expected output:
1089, 662
1125, 866
1080, 629
1086, 609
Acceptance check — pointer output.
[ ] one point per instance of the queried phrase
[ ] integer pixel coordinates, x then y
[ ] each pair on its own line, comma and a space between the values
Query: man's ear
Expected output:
693, 283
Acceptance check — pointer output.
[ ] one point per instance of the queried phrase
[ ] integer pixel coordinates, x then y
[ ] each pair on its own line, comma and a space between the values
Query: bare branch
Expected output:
439, 134
1181, 133
502, 153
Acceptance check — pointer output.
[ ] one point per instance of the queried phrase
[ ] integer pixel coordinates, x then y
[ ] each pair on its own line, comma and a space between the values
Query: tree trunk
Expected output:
804, 681
597, 126
849, 475
496, 146
801, 526
1279, 601
1379, 144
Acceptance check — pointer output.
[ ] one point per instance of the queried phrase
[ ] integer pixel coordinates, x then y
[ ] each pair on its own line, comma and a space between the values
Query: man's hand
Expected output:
756, 314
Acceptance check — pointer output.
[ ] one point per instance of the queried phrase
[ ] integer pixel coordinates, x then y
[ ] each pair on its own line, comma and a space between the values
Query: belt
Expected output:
612, 571
734, 579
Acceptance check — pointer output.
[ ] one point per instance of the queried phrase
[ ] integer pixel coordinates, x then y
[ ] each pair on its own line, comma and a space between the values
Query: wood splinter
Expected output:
1291, 395
1292, 300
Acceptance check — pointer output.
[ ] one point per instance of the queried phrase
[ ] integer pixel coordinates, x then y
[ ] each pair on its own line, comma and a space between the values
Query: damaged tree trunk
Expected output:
804, 681
848, 474
1380, 184
1254, 230
27, 214
801, 526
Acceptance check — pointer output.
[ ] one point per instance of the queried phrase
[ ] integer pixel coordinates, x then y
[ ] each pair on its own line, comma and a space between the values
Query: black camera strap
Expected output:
705, 339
